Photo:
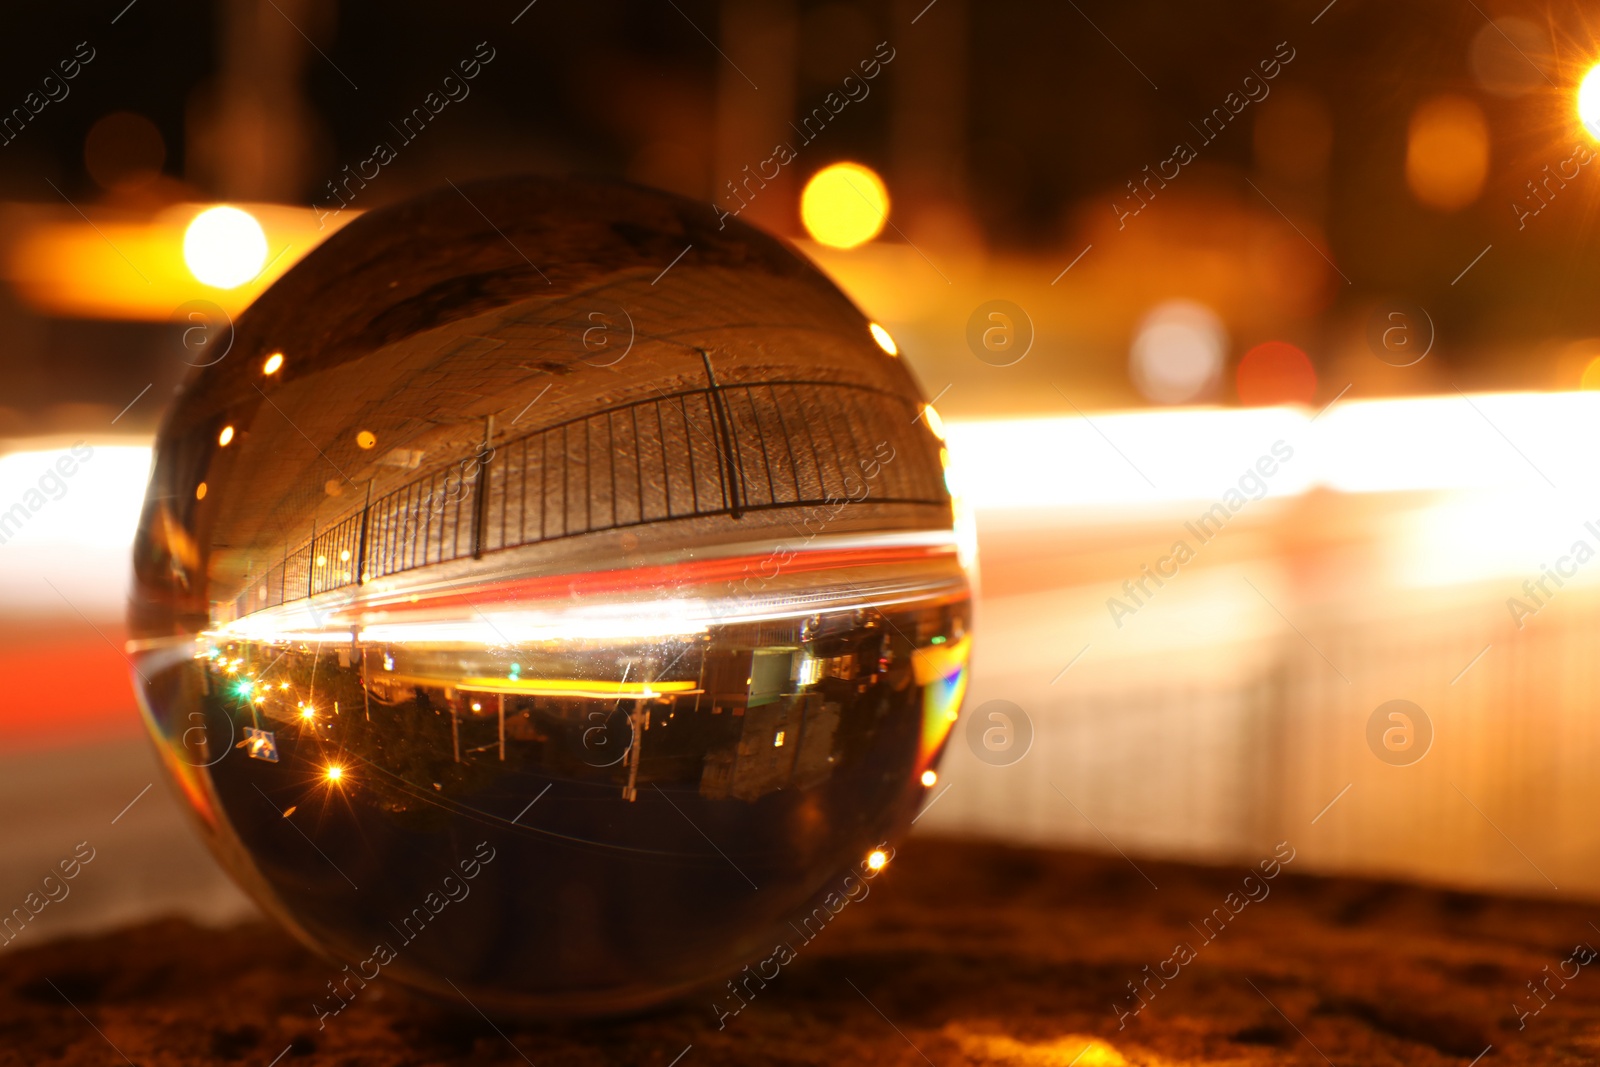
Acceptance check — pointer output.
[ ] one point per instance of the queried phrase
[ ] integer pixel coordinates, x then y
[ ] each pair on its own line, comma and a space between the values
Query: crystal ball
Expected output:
547, 593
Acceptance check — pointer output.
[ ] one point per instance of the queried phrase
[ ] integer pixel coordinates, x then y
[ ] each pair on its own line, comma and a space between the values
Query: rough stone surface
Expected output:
961, 954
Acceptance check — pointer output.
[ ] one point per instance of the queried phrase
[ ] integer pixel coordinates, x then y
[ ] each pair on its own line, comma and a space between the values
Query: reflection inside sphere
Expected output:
553, 627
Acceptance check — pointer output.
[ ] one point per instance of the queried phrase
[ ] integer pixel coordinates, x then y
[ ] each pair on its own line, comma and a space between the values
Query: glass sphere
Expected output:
550, 596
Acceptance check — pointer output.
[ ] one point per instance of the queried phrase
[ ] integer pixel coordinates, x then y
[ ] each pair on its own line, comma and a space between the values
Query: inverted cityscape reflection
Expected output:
577, 597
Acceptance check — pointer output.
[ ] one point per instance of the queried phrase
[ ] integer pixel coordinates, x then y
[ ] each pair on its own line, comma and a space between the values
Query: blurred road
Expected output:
110, 801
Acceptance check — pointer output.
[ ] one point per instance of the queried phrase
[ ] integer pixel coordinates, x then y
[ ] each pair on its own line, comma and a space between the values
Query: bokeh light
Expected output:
225, 437
272, 364
1275, 372
1508, 56
1447, 152
1589, 100
844, 205
123, 149
224, 247
1177, 352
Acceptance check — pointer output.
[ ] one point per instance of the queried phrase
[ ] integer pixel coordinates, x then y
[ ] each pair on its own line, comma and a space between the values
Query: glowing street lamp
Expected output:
844, 205
1589, 100
224, 247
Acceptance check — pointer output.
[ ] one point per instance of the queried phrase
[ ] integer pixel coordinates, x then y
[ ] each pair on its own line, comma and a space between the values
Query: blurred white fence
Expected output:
1232, 709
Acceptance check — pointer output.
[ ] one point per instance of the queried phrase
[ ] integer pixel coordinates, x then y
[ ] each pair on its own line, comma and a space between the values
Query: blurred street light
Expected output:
1178, 351
1447, 152
1589, 100
224, 247
844, 205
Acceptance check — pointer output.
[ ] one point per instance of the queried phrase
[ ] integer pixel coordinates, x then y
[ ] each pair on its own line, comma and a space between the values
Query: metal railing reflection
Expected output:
722, 450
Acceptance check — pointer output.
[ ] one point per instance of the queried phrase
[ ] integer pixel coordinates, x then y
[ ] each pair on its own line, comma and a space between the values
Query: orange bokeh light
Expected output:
1275, 372
1447, 152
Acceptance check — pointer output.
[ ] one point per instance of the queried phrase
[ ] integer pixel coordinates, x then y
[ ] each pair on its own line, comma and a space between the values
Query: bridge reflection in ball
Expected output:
637, 619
